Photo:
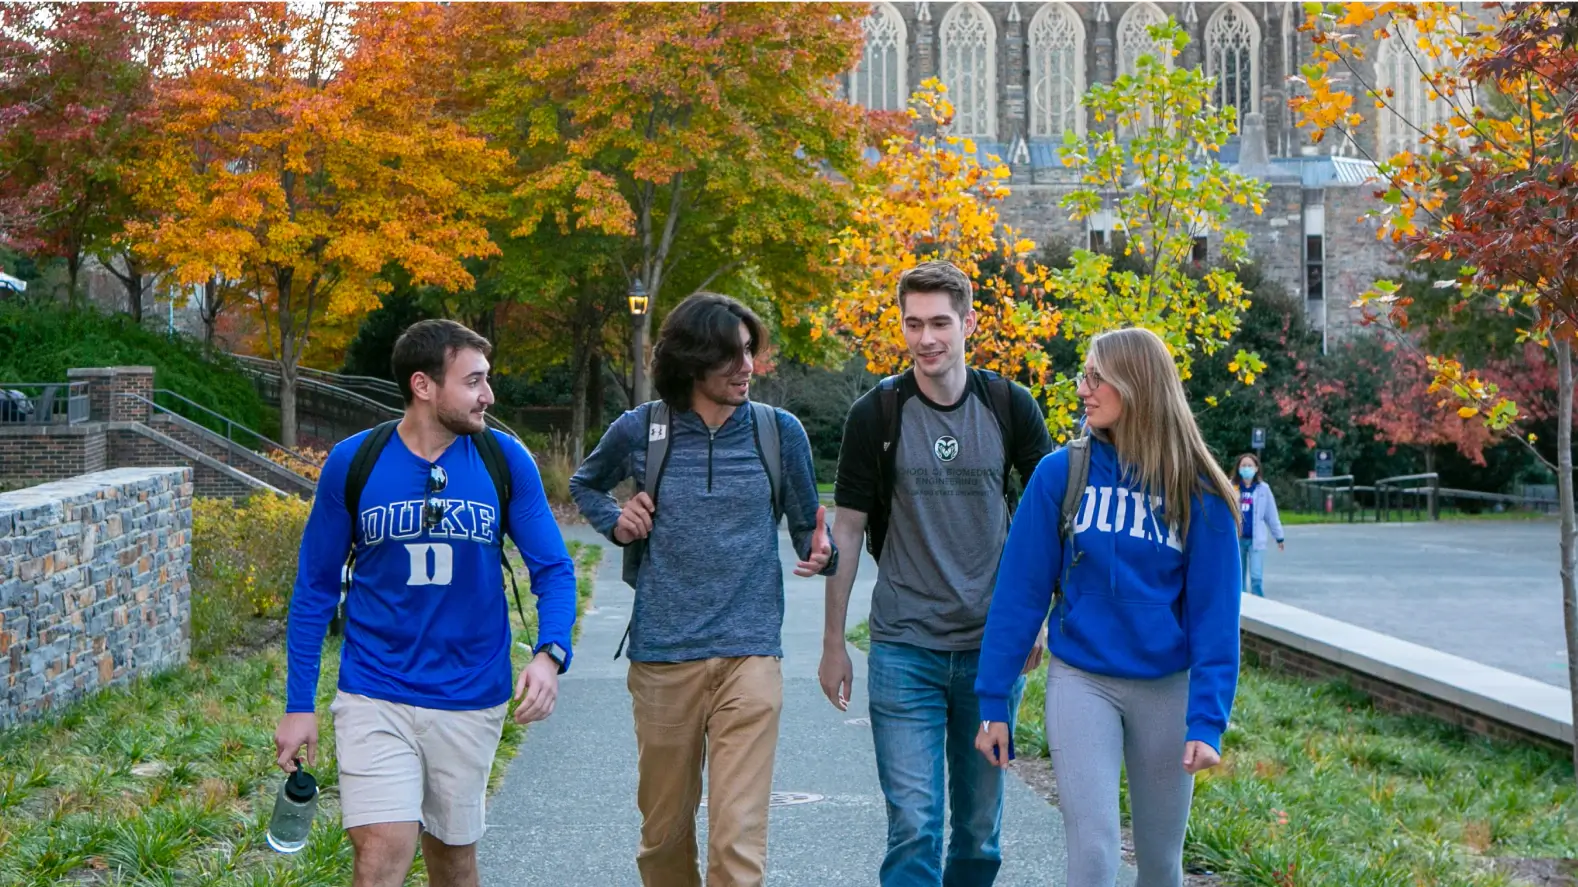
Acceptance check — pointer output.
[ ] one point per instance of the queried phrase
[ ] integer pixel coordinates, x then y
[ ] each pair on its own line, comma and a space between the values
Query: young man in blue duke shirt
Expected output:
425, 668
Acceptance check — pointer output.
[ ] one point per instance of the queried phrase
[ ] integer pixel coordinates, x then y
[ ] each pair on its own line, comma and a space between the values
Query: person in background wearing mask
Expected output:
1257, 509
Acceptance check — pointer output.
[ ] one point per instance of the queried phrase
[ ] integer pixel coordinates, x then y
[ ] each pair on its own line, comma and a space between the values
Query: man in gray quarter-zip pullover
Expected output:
706, 632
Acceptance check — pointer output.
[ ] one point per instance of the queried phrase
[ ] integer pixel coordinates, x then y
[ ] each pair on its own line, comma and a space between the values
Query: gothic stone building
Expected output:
1015, 73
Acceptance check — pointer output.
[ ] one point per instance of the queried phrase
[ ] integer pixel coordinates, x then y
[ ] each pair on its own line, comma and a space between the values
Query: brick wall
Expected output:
1385, 694
94, 586
35, 454
201, 439
107, 384
141, 447
120, 435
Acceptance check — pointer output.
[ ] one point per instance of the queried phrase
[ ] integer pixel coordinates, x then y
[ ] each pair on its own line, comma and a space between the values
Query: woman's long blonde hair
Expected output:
1156, 436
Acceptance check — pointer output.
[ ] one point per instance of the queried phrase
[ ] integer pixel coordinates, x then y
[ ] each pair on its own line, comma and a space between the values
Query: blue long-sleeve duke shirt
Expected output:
427, 623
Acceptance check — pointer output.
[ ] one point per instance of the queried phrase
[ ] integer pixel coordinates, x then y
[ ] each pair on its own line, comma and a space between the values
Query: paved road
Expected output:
1484, 590
566, 814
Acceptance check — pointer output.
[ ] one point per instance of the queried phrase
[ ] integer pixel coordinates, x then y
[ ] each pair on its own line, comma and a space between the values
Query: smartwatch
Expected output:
558, 654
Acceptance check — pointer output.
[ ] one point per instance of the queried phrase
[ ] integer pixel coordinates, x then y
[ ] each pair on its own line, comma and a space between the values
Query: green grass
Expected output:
171, 780
1319, 788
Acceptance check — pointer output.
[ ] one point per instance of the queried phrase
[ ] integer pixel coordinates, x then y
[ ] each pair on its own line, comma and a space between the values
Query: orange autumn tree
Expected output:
1489, 180
1150, 162
302, 151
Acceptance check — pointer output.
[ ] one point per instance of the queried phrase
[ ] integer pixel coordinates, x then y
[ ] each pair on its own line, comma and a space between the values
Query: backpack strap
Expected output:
1068, 513
888, 415
659, 431
1078, 477
658, 434
769, 448
367, 453
366, 456
493, 459
1000, 400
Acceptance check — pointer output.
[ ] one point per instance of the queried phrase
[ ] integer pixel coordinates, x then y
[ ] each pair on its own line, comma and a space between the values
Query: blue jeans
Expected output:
1253, 564
924, 719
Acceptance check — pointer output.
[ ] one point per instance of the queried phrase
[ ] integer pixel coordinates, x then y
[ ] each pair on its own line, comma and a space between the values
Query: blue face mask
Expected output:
1247, 472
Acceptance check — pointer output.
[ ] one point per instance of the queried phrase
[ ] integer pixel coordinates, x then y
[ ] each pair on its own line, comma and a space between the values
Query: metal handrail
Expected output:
339, 380
230, 426
269, 368
1334, 480
43, 409
1383, 494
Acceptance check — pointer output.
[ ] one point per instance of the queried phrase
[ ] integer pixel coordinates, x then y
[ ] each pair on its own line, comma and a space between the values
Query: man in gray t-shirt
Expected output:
923, 471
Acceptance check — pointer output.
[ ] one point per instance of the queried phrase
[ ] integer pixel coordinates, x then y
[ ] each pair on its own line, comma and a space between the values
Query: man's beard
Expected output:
461, 423
724, 394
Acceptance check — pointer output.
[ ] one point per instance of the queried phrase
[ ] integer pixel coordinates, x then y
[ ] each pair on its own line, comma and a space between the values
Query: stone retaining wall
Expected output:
94, 585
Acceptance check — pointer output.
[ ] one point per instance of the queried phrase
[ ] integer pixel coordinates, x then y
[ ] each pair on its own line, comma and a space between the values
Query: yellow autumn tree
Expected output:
302, 151
933, 199
1150, 162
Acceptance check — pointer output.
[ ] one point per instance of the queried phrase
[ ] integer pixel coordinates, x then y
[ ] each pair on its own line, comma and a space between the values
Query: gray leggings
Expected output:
1094, 725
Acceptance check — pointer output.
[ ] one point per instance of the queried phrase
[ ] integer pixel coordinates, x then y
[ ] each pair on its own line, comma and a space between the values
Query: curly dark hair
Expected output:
701, 334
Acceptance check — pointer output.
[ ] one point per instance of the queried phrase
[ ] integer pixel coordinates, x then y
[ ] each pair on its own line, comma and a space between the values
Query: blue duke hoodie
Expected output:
1139, 602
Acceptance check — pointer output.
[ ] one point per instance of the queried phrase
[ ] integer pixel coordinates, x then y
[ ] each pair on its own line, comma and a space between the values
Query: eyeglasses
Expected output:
1090, 380
432, 506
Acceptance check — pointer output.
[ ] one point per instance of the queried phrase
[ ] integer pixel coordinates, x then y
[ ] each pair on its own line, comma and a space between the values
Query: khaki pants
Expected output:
722, 712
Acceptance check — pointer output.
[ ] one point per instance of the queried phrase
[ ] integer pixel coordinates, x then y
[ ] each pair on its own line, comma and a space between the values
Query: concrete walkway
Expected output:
566, 812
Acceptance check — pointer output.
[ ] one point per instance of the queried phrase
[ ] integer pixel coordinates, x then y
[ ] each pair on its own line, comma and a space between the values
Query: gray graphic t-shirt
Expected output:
949, 518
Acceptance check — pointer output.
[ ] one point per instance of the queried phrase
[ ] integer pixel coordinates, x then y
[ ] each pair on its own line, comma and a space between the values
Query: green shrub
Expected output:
39, 342
243, 566
555, 463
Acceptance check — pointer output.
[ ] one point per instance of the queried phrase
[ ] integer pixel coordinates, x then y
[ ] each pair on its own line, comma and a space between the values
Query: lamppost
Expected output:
638, 310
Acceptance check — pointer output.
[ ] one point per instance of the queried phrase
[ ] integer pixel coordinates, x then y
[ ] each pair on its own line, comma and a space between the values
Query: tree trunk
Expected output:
289, 356
580, 359
133, 281
287, 403
210, 311
73, 266
1564, 492
594, 383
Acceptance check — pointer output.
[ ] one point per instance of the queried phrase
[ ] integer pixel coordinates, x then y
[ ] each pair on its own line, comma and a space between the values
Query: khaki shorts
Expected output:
400, 763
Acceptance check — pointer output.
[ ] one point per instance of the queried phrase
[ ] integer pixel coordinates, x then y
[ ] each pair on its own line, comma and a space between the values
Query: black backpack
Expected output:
999, 399
362, 468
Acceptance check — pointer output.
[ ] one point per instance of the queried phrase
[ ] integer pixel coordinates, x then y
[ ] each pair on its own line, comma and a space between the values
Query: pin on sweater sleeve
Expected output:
1212, 588
1032, 560
608, 464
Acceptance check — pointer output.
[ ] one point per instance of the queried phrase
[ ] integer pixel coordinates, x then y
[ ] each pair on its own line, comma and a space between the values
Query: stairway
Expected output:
333, 406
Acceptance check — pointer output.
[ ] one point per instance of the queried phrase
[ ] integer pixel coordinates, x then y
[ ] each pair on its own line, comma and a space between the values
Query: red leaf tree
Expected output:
74, 108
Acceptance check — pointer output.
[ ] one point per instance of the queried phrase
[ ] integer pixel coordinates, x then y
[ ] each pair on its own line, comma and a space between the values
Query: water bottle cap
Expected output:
301, 787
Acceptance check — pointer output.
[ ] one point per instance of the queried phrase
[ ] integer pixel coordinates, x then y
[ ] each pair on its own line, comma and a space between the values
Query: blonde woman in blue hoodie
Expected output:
1143, 639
